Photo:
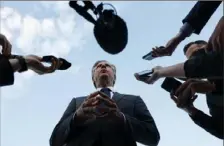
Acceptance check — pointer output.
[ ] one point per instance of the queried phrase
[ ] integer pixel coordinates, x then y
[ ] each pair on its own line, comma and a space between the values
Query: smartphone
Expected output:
171, 84
143, 75
149, 56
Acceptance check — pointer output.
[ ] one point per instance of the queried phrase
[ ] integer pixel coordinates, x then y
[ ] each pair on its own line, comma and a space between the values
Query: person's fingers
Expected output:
209, 47
92, 95
154, 54
181, 88
54, 65
89, 109
104, 110
90, 102
113, 112
157, 52
41, 68
3, 42
60, 62
110, 104
161, 48
7, 50
174, 98
151, 79
142, 79
136, 76
160, 51
95, 102
106, 101
194, 98
47, 69
37, 57
6, 47
104, 95
38, 66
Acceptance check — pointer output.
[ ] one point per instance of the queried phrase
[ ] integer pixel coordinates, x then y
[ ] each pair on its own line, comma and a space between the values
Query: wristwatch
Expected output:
22, 63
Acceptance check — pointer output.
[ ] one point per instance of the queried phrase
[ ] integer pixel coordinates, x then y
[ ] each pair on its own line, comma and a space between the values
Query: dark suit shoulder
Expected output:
78, 100
130, 96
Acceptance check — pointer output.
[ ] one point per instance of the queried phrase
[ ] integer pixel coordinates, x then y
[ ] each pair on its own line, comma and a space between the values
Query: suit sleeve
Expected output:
6, 72
207, 66
66, 128
211, 125
142, 125
200, 14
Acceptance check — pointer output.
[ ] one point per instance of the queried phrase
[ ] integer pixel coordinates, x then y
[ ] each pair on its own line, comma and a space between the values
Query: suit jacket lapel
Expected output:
117, 97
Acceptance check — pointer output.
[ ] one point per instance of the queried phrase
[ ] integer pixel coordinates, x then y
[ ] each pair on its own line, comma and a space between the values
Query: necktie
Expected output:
98, 141
102, 104
106, 91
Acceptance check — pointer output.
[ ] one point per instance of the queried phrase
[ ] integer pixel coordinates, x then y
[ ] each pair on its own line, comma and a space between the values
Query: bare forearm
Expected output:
186, 30
203, 87
173, 71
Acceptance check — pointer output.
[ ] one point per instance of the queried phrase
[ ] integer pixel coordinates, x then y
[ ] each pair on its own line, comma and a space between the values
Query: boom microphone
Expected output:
110, 30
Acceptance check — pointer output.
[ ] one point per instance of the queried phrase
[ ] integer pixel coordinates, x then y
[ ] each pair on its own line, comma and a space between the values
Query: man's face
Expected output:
193, 48
103, 70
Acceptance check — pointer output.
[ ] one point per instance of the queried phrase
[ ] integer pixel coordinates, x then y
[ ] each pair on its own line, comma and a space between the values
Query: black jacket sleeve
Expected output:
142, 125
6, 72
66, 128
200, 14
209, 65
210, 124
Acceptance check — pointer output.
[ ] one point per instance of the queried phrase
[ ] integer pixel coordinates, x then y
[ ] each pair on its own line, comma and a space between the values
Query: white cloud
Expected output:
55, 34
10, 22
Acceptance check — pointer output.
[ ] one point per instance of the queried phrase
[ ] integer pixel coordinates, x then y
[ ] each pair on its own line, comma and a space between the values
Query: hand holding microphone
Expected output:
62, 64
36, 63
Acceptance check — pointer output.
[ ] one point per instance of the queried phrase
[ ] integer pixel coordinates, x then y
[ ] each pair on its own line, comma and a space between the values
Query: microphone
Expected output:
110, 30
64, 64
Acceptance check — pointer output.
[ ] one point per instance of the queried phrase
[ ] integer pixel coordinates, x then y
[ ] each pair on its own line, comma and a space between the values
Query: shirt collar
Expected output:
111, 88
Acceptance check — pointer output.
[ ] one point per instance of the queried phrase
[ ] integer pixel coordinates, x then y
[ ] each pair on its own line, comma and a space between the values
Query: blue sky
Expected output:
31, 108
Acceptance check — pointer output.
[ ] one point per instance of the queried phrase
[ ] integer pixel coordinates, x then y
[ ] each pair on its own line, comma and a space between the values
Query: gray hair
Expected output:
94, 68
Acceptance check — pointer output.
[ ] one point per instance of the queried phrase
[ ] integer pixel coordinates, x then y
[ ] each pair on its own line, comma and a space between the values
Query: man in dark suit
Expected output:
106, 117
194, 22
